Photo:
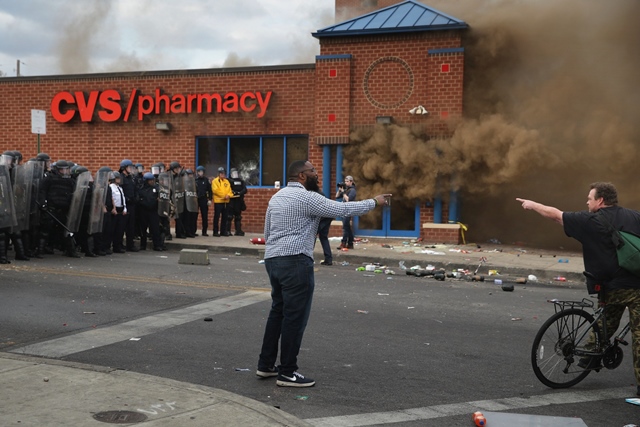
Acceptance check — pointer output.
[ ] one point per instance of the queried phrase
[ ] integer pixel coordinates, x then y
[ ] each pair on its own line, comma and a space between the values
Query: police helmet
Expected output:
139, 165
220, 169
174, 165
114, 175
77, 170
148, 175
43, 157
104, 169
200, 168
188, 171
125, 163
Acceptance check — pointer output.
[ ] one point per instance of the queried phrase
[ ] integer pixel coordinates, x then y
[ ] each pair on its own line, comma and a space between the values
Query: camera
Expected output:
341, 186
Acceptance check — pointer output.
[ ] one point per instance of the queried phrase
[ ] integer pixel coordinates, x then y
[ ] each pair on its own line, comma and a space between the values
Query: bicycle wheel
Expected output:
553, 353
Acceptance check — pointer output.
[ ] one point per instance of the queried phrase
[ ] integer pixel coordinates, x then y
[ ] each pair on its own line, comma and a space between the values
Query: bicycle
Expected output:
570, 344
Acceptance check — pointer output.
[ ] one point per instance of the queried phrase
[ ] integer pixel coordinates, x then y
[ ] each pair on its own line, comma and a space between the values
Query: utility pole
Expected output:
18, 62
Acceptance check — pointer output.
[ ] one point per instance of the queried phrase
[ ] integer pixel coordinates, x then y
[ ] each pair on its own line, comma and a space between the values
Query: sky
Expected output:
88, 36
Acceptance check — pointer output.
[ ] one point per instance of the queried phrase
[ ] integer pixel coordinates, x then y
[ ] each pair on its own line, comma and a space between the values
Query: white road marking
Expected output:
467, 408
100, 337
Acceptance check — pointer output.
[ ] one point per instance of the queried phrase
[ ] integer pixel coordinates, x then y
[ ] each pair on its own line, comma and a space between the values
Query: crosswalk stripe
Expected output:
100, 337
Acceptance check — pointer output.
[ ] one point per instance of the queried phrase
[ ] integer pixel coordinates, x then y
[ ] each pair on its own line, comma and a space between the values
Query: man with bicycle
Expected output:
590, 228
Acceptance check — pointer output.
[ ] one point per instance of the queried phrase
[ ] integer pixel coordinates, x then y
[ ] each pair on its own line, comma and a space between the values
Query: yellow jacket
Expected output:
220, 189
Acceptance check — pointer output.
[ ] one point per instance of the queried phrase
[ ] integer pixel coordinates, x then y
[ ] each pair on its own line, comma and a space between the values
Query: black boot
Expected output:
3, 250
89, 252
238, 224
19, 248
70, 248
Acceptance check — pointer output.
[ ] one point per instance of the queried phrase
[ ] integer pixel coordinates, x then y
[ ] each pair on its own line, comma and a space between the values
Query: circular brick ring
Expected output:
376, 72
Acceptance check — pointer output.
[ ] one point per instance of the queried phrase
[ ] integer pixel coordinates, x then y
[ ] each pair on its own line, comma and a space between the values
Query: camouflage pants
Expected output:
617, 301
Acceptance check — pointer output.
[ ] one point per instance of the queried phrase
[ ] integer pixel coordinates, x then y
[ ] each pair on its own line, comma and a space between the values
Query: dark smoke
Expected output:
551, 105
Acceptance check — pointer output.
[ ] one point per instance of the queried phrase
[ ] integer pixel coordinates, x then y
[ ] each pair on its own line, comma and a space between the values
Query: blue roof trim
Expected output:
408, 16
342, 56
449, 50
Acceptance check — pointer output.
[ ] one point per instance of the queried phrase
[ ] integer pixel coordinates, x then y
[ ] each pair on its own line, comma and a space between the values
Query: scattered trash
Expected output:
238, 253
135, 339
360, 268
301, 397
494, 273
563, 260
507, 287
242, 369
370, 267
261, 261
345, 263
515, 319
560, 279
391, 272
45, 379
257, 241
389, 278
386, 246
410, 308
479, 419
377, 271
532, 278
633, 401
88, 312
402, 266
208, 319
225, 259
430, 252
363, 312
382, 294
495, 241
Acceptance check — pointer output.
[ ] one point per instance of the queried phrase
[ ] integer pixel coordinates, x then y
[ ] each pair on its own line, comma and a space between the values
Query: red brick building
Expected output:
372, 68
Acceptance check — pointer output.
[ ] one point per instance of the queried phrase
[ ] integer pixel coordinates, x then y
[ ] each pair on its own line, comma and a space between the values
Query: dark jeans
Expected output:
292, 285
204, 213
323, 236
347, 232
220, 218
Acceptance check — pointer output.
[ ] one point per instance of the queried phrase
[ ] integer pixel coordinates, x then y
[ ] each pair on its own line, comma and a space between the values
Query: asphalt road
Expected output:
384, 350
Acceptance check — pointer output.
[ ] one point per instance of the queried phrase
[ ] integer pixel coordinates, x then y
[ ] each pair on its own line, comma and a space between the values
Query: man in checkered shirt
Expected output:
290, 228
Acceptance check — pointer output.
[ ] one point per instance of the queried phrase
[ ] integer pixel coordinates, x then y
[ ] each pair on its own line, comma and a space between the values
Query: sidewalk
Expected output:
509, 261
45, 392
38, 391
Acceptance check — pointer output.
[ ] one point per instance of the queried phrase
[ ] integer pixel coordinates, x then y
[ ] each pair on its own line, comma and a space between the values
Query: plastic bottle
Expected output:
479, 419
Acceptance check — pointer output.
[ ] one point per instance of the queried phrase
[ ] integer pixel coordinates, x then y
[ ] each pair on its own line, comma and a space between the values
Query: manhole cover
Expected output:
120, 417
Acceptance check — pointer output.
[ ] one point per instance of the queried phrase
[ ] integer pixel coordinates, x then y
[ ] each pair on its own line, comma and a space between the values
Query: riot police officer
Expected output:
129, 188
178, 199
148, 204
203, 188
55, 198
236, 203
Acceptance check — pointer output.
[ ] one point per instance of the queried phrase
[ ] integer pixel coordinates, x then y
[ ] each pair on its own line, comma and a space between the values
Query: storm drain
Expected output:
120, 417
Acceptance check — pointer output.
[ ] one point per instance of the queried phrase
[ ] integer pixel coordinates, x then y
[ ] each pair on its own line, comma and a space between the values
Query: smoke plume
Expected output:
551, 101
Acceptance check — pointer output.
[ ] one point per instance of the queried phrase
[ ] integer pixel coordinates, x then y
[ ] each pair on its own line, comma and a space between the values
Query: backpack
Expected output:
627, 248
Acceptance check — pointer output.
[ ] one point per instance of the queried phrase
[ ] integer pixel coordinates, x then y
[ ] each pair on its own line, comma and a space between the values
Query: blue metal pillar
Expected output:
339, 163
326, 170
453, 207
437, 210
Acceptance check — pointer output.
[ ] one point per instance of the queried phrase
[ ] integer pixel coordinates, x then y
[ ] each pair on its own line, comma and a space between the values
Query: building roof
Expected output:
408, 16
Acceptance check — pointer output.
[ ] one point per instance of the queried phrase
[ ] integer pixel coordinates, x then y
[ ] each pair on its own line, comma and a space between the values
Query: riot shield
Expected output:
36, 181
98, 199
190, 192
77, 201
164, 195
22, 187
7, 213
178, 195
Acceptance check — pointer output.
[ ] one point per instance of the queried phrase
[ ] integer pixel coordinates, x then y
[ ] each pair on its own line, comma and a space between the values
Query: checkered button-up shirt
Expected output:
291, 223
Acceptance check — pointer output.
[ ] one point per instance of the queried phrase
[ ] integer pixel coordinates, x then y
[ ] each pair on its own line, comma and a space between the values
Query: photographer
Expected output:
346, 193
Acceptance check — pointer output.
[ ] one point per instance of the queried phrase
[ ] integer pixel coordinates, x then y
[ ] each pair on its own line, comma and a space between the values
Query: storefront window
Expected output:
261, 161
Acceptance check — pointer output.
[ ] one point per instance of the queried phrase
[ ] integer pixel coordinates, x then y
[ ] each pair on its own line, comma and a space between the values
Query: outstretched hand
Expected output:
382, 199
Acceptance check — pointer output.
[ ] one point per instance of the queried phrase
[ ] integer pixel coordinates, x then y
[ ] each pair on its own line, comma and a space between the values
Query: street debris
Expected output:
241, 369
135, 339
560, 279
515, 319
208, 319
363, 312
88, 312
301, 397
381, 294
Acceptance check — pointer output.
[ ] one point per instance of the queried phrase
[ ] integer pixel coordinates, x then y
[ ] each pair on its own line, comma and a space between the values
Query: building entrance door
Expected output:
401, 219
